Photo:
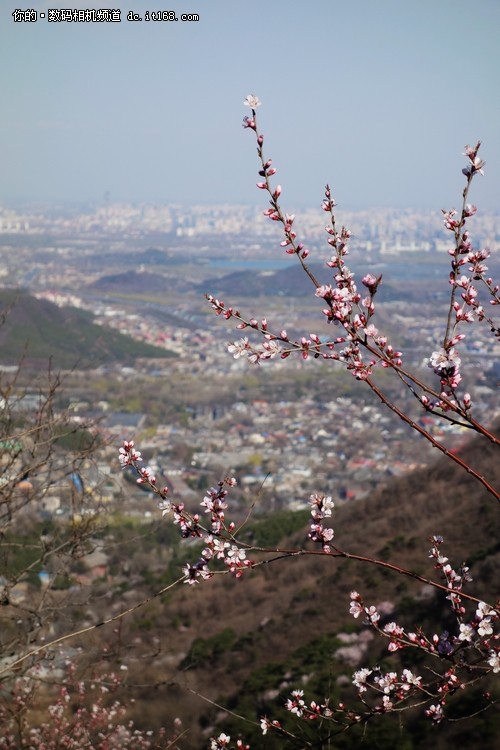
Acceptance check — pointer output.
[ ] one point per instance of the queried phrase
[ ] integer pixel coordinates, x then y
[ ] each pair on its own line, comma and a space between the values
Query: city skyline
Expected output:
377, 99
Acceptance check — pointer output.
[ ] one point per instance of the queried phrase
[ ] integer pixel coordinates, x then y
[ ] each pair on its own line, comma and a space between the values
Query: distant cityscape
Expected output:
379, 232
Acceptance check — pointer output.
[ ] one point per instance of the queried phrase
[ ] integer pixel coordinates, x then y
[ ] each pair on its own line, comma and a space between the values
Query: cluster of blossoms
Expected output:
255, 355
480, 626
479, 633
79, 716
446, 362
357, 608
393, 688
455, 579
321, 508
435, 712
234, 557
297, 705
128, 455
445, 644
219, 540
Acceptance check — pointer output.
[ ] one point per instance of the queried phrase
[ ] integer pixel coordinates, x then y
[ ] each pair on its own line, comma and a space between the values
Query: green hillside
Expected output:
37, 330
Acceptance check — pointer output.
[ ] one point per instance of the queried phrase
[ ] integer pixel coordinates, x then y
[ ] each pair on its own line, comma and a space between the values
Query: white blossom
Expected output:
359, 678
485, 627
494, 661
252, 101
238, 348
467, 632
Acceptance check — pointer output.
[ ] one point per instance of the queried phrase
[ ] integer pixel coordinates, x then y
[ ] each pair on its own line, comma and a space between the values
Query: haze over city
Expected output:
376, 98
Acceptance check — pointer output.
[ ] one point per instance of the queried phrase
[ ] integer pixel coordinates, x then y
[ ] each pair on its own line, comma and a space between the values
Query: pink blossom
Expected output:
387, 682
372, 613
249, 122
128, 454
443, 360
387, 703
146, 476
371, 282
411, 679
435, 712
356, 609
220, 742
371, 331
296, 704
321, 506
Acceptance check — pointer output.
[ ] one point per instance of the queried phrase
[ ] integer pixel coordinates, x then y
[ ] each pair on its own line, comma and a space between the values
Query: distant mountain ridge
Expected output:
292, 282
36, 330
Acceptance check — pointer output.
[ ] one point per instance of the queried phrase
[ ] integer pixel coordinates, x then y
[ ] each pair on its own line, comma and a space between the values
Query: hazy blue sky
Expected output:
378, 97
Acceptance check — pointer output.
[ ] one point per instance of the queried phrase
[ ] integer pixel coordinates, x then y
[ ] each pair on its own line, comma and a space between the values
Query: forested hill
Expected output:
36, 330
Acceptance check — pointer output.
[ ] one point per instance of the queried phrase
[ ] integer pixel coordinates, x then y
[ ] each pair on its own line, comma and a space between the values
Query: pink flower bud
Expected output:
249, 122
